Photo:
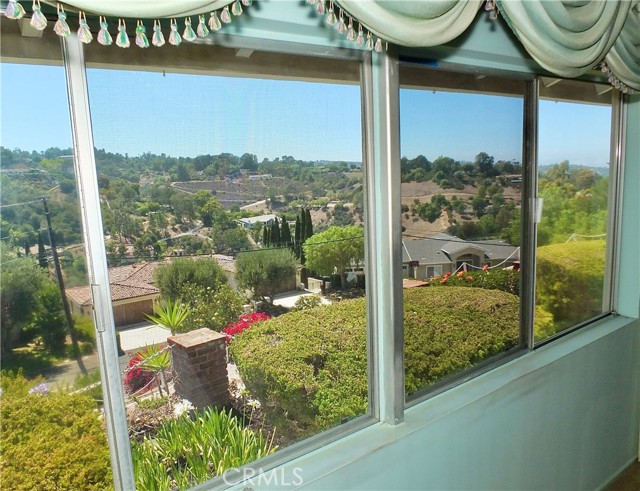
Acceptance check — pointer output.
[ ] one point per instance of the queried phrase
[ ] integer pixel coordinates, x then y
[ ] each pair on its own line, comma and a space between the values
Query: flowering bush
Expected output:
137, 378
506, 280
244, 322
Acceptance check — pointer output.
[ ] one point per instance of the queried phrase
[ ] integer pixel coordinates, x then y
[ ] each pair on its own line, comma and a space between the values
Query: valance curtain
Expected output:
570, 37
624, 58
414, 22
147, 9
566, 37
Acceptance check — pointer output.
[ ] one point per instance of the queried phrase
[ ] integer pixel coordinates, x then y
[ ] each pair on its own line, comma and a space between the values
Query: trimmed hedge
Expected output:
309, 368
506, 280
52, 441
570, 280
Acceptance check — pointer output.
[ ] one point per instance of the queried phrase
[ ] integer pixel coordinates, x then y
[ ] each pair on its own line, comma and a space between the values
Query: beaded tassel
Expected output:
214, 22
188, 33
141, 35
84, 33
38, 20
14, 10
236, 8
174, 36
158, 38
122, 39
61, 28
202, 30
104, 38
225, 16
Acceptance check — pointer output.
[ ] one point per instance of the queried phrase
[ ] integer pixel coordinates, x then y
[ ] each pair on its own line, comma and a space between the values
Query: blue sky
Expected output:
188, 115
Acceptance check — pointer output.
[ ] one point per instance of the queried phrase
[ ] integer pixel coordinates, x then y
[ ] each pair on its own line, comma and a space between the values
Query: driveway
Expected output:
131, 339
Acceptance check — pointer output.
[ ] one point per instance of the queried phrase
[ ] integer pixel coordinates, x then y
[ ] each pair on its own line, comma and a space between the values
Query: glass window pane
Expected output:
573, 184
461, 147
52, 435
233, 208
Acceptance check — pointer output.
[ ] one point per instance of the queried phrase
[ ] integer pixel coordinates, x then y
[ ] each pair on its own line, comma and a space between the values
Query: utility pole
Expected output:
65, 303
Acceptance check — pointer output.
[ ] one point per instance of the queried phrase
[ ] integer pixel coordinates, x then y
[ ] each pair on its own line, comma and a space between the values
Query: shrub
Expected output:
306, 302
173, 277
309, 368
266, 272
52, 441
184, 451
570, 280
210, 308
506, 280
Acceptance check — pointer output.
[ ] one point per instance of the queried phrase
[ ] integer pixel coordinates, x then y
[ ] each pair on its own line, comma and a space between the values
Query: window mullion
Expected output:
89, 199
528, 220
384, 255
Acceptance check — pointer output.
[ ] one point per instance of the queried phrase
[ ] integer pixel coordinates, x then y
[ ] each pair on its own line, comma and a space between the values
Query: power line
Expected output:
37, 200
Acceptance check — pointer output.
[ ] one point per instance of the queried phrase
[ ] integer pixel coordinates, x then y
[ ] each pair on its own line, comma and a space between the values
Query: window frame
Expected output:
614, 209
75, 67
379, 83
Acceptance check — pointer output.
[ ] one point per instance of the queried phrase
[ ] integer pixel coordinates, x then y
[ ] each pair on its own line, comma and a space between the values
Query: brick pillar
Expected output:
200, 363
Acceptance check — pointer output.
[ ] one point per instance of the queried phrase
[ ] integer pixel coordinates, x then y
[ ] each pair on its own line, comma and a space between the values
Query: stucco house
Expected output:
442, 253
249, 223
132, 293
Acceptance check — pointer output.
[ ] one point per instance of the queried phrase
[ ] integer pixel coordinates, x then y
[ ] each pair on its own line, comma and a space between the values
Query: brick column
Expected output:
200, 363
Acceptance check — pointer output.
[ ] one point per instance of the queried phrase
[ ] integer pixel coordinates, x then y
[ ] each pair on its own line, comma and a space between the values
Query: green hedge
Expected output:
506, 280
309, 368
570, 280
54, 441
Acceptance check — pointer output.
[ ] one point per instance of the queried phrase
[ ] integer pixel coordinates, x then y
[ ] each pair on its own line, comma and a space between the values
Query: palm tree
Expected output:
170, 316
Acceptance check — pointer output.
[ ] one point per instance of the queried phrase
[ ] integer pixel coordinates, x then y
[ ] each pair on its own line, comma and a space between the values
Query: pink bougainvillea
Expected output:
244, 321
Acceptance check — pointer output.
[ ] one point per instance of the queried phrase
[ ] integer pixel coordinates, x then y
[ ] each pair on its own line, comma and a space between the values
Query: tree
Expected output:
297, 245
285, 234
335, 250
49, 320
42, 254
182, 173
484, 164
264, 271
274, 236
22, 281
231, 240
308, 224
173, 278
212, 213
249, 161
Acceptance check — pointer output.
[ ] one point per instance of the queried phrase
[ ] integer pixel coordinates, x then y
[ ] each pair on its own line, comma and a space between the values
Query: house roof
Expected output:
136, 280
261, 219
438, 249
126, 282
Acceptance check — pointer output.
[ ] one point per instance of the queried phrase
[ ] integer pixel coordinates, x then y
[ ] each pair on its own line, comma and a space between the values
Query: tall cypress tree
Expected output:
42, 254
308, 229
27, 246
275, 233
285, 234
297, 246
265, 236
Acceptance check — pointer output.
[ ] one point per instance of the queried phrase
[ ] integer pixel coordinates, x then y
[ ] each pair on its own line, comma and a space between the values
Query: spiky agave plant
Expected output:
171, 315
